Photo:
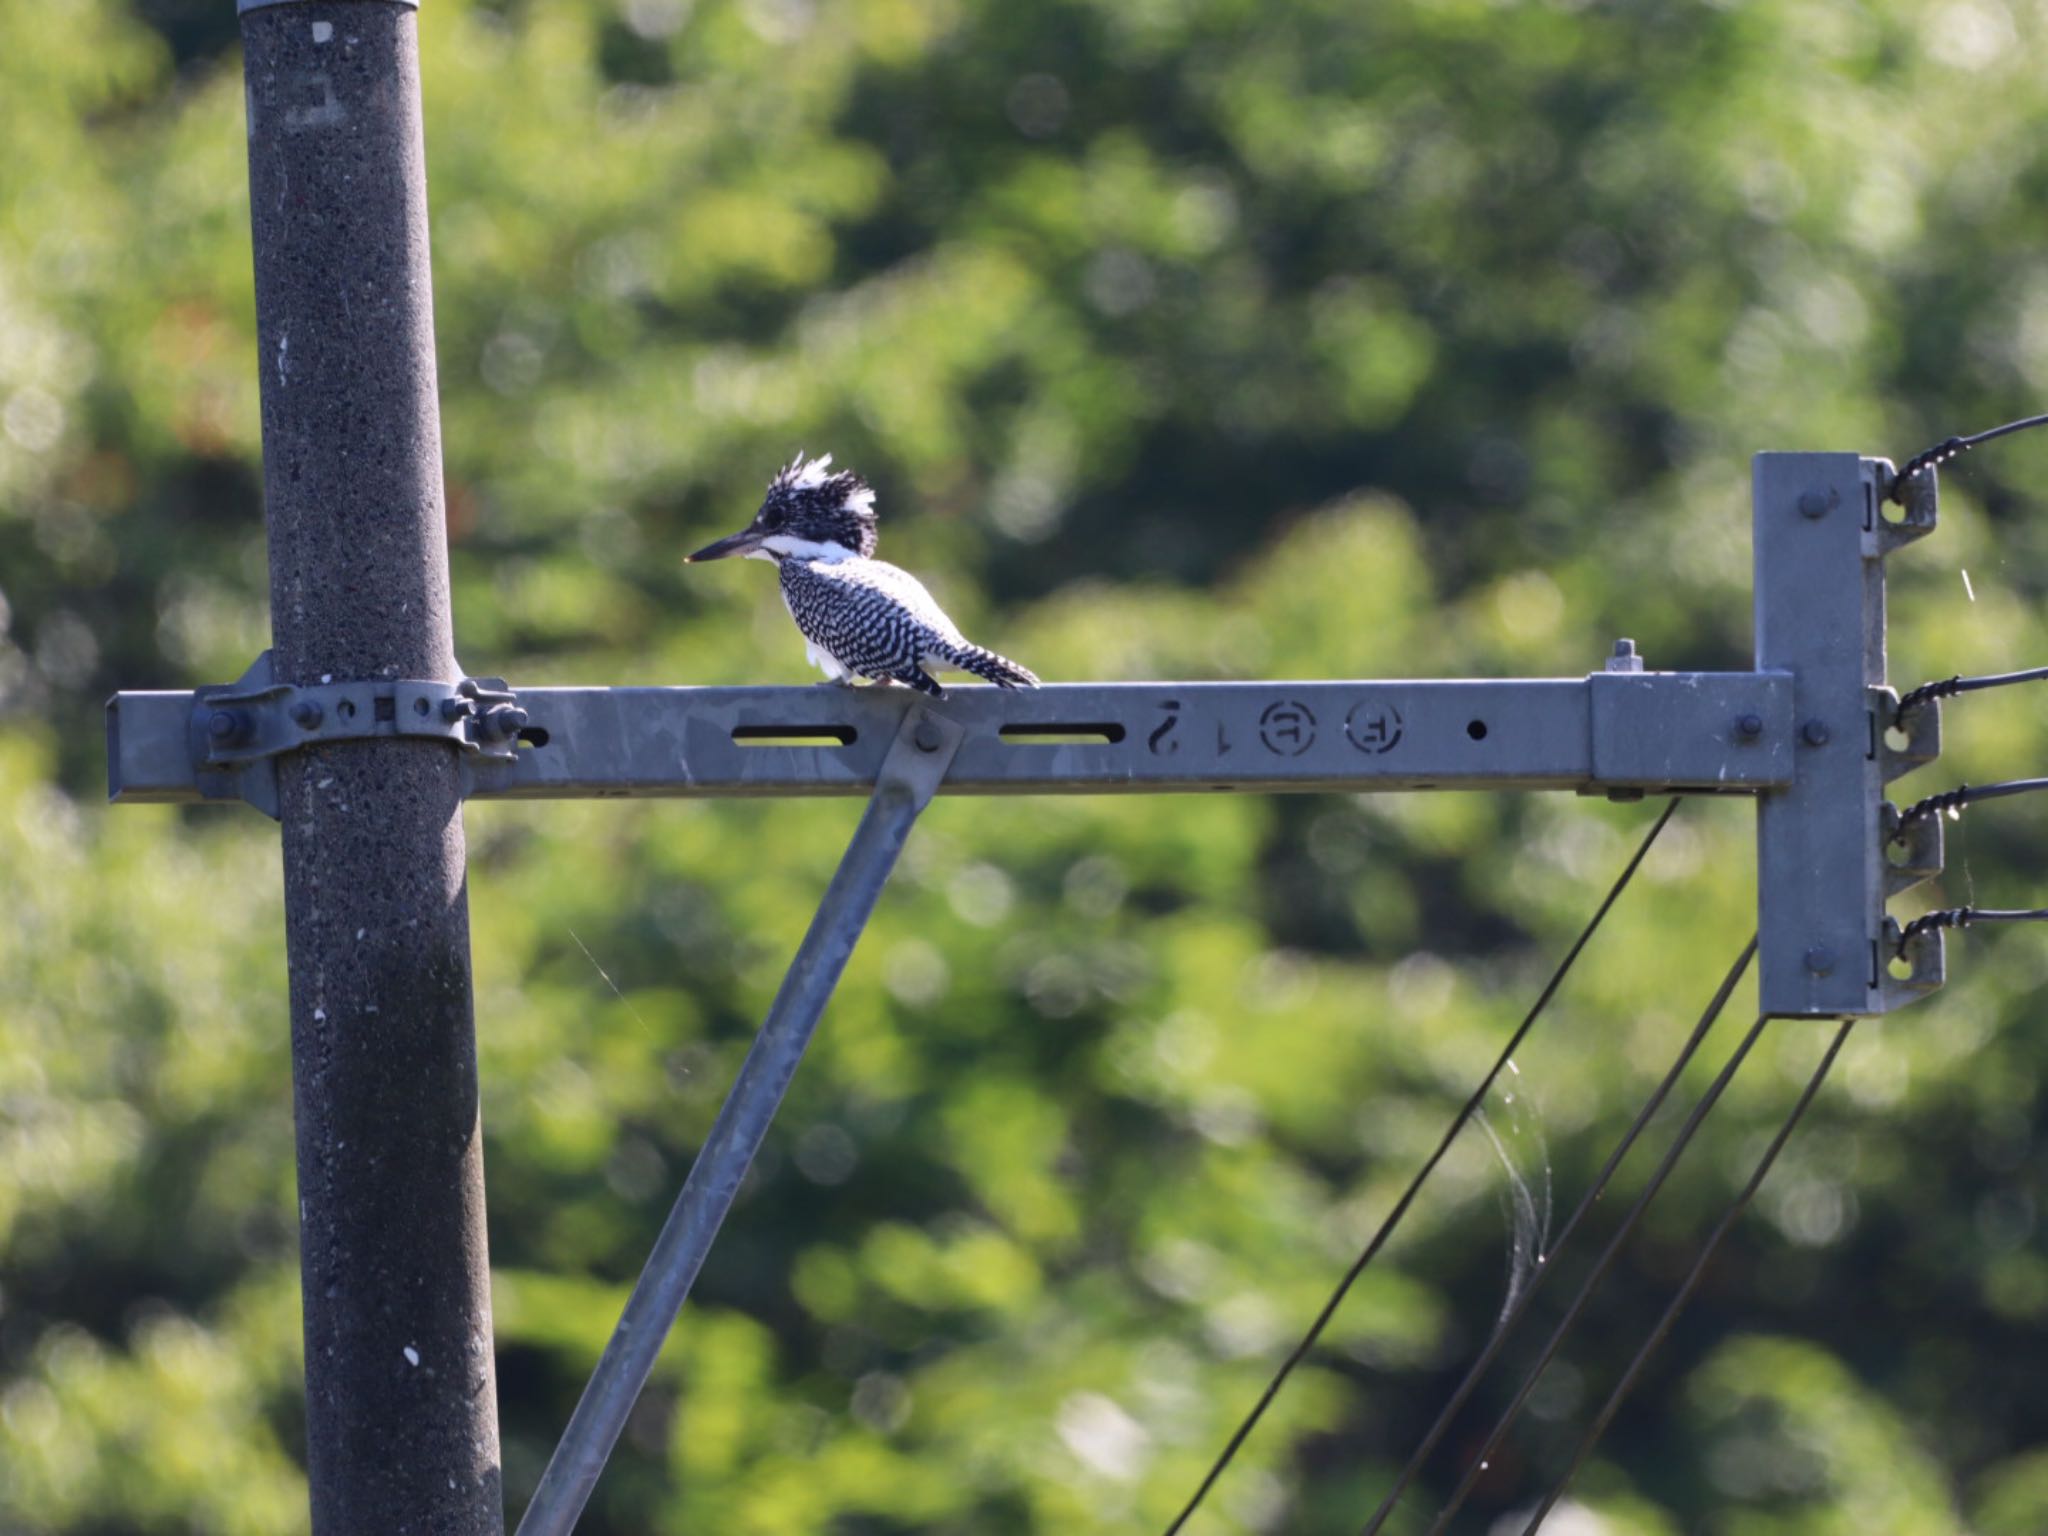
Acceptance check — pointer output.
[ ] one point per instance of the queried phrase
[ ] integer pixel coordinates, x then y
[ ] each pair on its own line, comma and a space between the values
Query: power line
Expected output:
1600, 1267
1514, 1313
1942, 452
1692, 1279
1400, 1209
1963, 917
1950, 686
1962, 795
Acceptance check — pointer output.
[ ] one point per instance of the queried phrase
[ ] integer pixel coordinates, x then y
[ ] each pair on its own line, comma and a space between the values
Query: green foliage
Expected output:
1788, 1434
1214, 339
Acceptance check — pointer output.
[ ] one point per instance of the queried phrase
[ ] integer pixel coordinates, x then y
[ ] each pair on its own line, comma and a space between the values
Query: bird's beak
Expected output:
738, 544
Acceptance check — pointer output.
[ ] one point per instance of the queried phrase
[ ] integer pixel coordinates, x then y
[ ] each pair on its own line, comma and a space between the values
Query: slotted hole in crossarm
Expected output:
794, 735
1054, 733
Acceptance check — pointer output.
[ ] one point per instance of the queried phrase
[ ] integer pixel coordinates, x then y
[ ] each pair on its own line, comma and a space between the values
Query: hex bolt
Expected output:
1749, 727
307, 715
1625, 657
1814, 733
227, 725
1813, 503
927, 736
455, 709
1820, 960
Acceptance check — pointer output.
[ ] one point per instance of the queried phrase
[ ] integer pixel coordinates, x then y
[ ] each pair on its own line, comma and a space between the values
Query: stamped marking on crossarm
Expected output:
1162, 741
1373, 726
1287, 727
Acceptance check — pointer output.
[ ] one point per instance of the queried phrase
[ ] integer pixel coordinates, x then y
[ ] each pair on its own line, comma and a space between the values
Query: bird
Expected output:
860, 617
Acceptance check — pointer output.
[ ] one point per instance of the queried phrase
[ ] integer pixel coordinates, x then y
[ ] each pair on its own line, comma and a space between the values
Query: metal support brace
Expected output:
924, 746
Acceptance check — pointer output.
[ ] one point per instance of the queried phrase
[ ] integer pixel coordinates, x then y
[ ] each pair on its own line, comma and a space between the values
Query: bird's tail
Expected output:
986, 664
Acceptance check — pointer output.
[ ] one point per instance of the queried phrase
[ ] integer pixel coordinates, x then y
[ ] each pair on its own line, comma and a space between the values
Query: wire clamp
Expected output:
1916, 960
1902, 736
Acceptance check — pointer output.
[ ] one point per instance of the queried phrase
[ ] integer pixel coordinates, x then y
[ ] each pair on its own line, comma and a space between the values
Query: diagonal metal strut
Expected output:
917, 760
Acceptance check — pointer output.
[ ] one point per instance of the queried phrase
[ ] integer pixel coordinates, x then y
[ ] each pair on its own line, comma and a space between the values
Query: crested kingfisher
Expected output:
860, 617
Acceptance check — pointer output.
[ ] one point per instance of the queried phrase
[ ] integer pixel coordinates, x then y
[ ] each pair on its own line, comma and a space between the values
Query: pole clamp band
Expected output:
244, 725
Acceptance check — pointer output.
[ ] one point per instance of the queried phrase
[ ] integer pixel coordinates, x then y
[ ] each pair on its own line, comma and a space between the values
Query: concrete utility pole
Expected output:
401, 1410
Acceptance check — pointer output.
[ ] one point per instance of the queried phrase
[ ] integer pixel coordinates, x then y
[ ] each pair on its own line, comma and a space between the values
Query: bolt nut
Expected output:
1814, 733
501, 722
1820, 960
927, 736
1813, 503
307, 715
455, 709
227, 725
1749, 727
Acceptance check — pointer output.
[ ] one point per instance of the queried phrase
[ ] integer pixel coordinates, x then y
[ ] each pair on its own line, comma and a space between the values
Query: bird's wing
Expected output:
896, 584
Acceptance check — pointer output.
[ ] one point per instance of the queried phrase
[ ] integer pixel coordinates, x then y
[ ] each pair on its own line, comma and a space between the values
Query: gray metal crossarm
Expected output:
1662, 732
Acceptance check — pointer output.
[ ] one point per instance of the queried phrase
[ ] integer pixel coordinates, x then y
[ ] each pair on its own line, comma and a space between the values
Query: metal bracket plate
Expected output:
1653, 728
1824, 871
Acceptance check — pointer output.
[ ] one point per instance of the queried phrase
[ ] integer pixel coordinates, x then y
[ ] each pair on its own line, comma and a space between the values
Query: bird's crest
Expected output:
806, 498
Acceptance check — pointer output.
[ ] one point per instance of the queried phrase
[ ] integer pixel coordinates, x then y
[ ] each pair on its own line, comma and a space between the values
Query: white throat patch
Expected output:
800, 549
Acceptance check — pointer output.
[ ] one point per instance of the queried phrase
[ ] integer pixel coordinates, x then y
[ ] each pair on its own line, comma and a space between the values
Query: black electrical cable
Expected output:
1962, 795
1692, 1280
1607, 1257
1942, 452
1393, 1217
1513, 1314
1963, 917
1948, 687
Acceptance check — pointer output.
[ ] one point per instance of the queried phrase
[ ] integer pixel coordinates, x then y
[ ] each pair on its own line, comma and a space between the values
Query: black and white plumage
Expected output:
860, 617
